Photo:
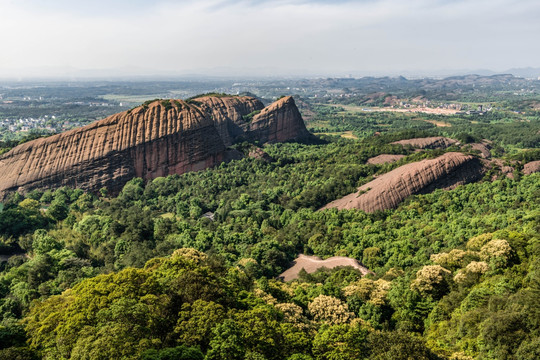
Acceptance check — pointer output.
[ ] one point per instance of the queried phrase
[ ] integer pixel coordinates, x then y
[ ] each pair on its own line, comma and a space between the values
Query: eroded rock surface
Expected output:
279, 121
531, 167
228, 114
157, 139
483, 148
436, 142
384, 158
389, 190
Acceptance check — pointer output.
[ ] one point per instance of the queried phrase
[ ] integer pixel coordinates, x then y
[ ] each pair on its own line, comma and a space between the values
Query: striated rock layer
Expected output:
278, 122
389, 190
157, 139
228, 114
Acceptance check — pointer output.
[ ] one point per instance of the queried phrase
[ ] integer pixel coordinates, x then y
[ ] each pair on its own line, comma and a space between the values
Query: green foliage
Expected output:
181, 352
250, 116
454, 272
340, 342
213, 94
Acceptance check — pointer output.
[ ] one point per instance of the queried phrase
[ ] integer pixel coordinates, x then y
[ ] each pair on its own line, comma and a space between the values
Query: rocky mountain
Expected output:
159, 138
389, 190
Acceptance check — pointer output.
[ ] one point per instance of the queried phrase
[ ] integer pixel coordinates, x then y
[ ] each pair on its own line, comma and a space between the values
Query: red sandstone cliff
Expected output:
158, 139
279, 121
228, 113
389, 190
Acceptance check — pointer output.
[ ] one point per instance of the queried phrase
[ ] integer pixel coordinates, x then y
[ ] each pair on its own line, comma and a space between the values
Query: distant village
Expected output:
16, 126
45, 123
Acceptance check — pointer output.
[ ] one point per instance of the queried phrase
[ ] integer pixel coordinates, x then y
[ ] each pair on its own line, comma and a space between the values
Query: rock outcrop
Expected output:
228, 114
483, 148
436, 142
531, 167
389, 190
159, 138
279, 121
384, 158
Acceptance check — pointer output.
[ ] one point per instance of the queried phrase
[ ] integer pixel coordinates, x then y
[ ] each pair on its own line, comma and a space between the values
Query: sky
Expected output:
266, 38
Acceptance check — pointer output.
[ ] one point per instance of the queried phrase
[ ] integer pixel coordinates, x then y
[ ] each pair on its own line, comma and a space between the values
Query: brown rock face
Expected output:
483, 148
146, 142
384, 158
436, 142
531, 167
227, 114
389, 190
280, 121
157, 139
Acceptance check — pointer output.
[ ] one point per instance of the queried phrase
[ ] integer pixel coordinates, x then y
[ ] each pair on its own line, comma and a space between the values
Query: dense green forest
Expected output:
506, 129
144, 274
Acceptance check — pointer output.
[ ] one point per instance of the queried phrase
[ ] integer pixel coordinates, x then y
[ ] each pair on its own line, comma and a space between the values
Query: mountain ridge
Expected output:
158, 138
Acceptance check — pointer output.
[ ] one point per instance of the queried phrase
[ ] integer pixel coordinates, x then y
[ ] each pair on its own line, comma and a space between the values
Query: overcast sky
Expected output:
281, 37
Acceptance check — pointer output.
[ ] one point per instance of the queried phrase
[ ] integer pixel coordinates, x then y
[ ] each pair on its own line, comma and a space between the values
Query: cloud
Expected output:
285, 35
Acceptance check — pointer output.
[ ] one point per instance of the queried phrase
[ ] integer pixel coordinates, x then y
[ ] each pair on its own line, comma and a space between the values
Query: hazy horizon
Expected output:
120, 38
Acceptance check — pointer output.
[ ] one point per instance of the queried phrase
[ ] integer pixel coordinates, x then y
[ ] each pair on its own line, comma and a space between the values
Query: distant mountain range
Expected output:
71, 73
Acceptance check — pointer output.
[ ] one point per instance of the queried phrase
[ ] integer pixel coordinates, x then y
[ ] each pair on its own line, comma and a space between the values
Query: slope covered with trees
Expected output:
148, 274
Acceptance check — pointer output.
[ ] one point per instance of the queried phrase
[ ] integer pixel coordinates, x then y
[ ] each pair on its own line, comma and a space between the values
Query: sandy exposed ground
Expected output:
437, 123
343, 134
313, 263
384, 158
348, 135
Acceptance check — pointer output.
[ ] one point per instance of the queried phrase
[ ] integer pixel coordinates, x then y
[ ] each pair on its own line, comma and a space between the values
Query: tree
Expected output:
341, 342
330, 310
432, 280
226, 343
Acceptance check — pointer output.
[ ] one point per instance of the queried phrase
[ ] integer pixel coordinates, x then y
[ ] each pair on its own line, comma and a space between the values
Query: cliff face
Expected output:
156, 139
146, 142
389, 190
280, 121
228, 114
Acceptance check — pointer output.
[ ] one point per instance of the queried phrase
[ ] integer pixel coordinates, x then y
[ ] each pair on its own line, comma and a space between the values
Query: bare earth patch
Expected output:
437, 123
343, 134
313, 263
419, 109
